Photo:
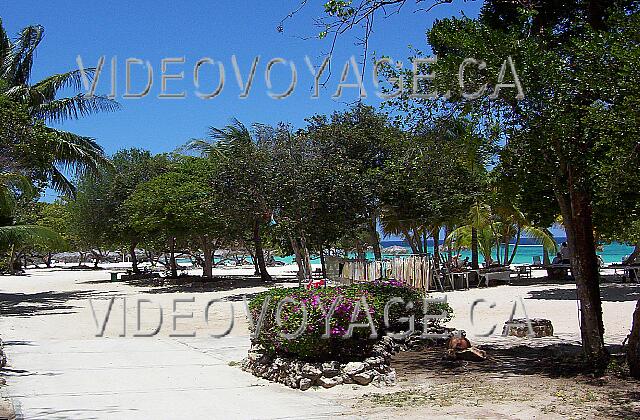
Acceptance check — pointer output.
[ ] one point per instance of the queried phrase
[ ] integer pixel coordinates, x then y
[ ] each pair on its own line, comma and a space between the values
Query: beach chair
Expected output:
523, 271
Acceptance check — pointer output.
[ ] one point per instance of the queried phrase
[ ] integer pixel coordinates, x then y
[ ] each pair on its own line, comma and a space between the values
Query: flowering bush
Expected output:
308, 343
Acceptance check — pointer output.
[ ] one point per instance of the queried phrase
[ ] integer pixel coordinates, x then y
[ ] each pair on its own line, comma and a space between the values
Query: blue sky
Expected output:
153, 30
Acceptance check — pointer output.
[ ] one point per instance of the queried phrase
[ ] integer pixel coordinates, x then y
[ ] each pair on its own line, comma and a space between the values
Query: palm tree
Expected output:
14, 237
498, 227
412, 230
64, 152
242, 154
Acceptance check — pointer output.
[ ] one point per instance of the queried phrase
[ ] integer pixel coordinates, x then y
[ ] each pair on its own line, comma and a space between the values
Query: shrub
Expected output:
310, 345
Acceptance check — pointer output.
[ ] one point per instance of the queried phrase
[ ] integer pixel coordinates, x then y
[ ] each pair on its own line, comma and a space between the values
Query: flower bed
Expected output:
329, 336
312, 343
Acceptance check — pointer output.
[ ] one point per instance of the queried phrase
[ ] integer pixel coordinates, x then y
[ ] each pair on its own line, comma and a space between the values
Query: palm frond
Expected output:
61, 184
480, 215
541, 236
59, 110
30, 235
50, 86
202, 146
18, 71
10, 183
5, 50
79, 155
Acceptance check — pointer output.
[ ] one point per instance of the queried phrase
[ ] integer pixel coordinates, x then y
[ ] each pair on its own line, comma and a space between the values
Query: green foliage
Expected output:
181, 202
310, 345
41, 152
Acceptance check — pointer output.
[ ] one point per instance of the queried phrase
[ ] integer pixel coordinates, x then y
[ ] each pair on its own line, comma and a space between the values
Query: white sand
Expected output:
61, 370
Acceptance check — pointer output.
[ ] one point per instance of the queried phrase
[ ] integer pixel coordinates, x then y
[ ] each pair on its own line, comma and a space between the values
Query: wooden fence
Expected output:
413, 270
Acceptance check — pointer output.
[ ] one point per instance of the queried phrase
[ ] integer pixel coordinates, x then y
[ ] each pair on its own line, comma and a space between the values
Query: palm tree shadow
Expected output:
41, 303
552, 361
608, 293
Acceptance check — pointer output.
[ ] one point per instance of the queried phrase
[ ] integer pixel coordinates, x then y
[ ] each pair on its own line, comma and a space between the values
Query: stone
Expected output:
305, 383
390, 377
519, 328
330, 369
310, 371
346, 379
3, 358
330, 382
256, 357
353, 368
387, 340
7, 411
472, 354
374, 361
363, 378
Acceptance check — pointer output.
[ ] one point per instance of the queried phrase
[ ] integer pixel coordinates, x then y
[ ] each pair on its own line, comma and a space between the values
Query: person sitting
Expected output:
565, 252
557, 259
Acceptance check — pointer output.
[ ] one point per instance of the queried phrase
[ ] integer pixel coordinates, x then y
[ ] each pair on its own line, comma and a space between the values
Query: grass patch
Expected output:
401, 398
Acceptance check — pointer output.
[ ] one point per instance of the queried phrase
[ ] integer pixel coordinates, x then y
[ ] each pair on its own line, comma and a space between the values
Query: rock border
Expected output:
7, 410
3, 357
302, 375
297, 374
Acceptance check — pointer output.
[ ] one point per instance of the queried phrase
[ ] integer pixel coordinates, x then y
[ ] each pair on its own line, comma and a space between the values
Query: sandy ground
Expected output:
58, 368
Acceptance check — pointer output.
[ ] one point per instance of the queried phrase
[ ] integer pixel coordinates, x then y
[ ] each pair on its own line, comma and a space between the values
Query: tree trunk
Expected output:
634, 255
134, 258
407, 236
262, 266
545, 257
324, 267
207, 250
505, 242
359, 251
474, 248
377, 252
436, 246
172, 258
449, 250
301, 269
97, 257
305, 255
417, 236
633, 346
254, 260
577, 217
515, 246
12, 268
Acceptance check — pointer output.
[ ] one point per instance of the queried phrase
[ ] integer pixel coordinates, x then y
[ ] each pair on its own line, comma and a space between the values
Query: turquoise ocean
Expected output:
527, 250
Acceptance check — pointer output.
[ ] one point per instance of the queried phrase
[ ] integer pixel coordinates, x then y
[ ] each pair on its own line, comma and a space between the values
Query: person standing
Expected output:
566, 253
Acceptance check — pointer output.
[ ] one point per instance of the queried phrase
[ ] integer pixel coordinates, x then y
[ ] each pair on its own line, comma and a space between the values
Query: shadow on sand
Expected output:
41, 303
556, 361
608, 292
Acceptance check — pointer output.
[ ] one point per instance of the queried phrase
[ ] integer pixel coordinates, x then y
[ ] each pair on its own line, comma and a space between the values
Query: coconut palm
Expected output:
15, 237
244, 157
498, 227
64, 152
411, 230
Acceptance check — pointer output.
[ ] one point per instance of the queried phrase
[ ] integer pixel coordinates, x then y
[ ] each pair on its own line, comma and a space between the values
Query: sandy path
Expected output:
60, 369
